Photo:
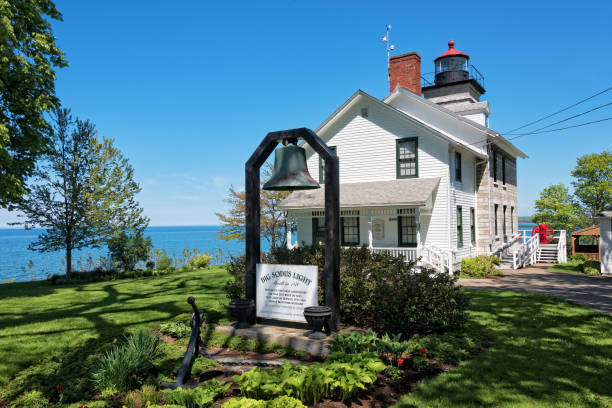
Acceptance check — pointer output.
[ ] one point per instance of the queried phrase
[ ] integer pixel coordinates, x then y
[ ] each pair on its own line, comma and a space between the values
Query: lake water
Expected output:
21, 264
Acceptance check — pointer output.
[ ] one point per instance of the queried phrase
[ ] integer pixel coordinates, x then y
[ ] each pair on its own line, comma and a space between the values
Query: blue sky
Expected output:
188, 89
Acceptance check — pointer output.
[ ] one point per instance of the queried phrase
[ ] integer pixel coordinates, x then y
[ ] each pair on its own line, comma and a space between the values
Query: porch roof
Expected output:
403, 192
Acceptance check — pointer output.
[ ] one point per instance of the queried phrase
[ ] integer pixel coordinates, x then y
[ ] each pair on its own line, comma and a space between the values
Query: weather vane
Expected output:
386, 39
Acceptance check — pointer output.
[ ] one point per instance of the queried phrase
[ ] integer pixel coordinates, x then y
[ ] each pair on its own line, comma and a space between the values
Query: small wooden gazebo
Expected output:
587, 241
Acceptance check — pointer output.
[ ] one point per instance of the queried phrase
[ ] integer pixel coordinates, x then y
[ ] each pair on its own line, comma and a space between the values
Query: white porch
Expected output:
400, 231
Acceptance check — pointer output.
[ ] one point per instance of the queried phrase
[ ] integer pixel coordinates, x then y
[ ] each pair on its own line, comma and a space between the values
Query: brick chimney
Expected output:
405, 71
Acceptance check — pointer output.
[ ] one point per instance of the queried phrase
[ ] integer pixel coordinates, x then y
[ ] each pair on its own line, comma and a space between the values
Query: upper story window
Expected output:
321, 166
457, 166
503, 170
407, 157
495, 166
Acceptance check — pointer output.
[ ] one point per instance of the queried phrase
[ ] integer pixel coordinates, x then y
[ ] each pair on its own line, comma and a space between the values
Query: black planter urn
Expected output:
317, 317
242, 310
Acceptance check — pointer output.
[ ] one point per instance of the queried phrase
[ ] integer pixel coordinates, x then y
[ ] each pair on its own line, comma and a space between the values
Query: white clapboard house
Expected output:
421, 173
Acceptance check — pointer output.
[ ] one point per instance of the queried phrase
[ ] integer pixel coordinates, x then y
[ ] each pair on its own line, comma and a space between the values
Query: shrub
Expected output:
578, 257
280, 402
33, 399
127, 249
164, 263
150, 264
200, 397
235, 288
200, 261
384, 292
480, 266
125, 366
591, 267
177, 330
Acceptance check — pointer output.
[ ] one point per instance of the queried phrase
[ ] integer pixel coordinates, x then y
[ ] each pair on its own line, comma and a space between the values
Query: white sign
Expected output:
283, 291
378, 228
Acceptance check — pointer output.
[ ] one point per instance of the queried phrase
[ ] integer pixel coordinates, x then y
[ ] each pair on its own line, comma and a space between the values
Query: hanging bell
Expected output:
290, 170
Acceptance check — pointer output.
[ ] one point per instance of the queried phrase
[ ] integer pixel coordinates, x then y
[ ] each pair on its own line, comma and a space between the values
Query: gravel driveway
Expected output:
593, 291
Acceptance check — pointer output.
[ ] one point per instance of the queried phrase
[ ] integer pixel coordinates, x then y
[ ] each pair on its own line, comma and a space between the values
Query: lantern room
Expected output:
452, 66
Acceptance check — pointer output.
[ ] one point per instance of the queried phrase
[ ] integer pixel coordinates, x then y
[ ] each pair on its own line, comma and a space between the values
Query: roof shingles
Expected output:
409, 192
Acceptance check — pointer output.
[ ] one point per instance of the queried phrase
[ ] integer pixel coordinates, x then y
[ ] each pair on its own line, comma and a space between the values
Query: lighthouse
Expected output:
458, 86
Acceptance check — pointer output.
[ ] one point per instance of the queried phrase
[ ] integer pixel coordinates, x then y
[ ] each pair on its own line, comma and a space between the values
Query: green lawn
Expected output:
547, 353
568, 267
46, 330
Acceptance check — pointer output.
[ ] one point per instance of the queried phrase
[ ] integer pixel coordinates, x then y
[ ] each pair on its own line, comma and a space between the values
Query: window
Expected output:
459, 227
512, 220
504, 220
318, 230
495, 166
457, 166
473, 226
407, 155
495, 215
364, 112
503, 170
350, 230
407, 230
321, 166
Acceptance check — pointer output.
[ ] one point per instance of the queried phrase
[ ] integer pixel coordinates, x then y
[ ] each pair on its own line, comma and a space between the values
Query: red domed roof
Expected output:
452, 52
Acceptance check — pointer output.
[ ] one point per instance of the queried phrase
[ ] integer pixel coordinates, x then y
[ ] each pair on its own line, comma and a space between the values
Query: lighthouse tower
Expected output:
458, 86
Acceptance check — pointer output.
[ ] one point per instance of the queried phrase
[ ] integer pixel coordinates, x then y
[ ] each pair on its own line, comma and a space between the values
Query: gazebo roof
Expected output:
593, 230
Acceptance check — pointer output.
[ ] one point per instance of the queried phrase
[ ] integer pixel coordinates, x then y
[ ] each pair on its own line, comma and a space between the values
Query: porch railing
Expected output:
562, 247
527, 253
409, 254
438, 258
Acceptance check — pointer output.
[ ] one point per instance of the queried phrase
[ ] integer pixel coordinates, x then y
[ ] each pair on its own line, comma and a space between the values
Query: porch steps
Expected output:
548, 253
506, 261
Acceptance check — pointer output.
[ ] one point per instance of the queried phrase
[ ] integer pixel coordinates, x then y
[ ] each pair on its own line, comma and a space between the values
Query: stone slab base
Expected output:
285, 335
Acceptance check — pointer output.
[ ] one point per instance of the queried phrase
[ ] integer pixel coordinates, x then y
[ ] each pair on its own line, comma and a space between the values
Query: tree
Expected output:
82, 192
127, 249
557, 208
593, 182
111, 192
27, 90
273, 220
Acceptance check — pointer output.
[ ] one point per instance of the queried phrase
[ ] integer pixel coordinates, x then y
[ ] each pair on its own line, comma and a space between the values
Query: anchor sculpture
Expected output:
193, 348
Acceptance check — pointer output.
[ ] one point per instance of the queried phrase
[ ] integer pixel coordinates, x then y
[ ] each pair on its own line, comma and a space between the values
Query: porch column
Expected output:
418, 232
289, 245
370, 240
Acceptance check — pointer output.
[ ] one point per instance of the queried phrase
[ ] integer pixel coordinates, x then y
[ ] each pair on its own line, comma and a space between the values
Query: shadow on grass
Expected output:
548, 352
48, 341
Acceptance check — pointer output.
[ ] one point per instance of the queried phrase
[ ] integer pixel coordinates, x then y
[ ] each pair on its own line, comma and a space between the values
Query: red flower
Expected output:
60, 388
400, 361
423, 351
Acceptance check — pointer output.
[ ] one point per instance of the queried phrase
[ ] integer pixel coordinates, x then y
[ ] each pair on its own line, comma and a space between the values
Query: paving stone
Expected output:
287, 336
